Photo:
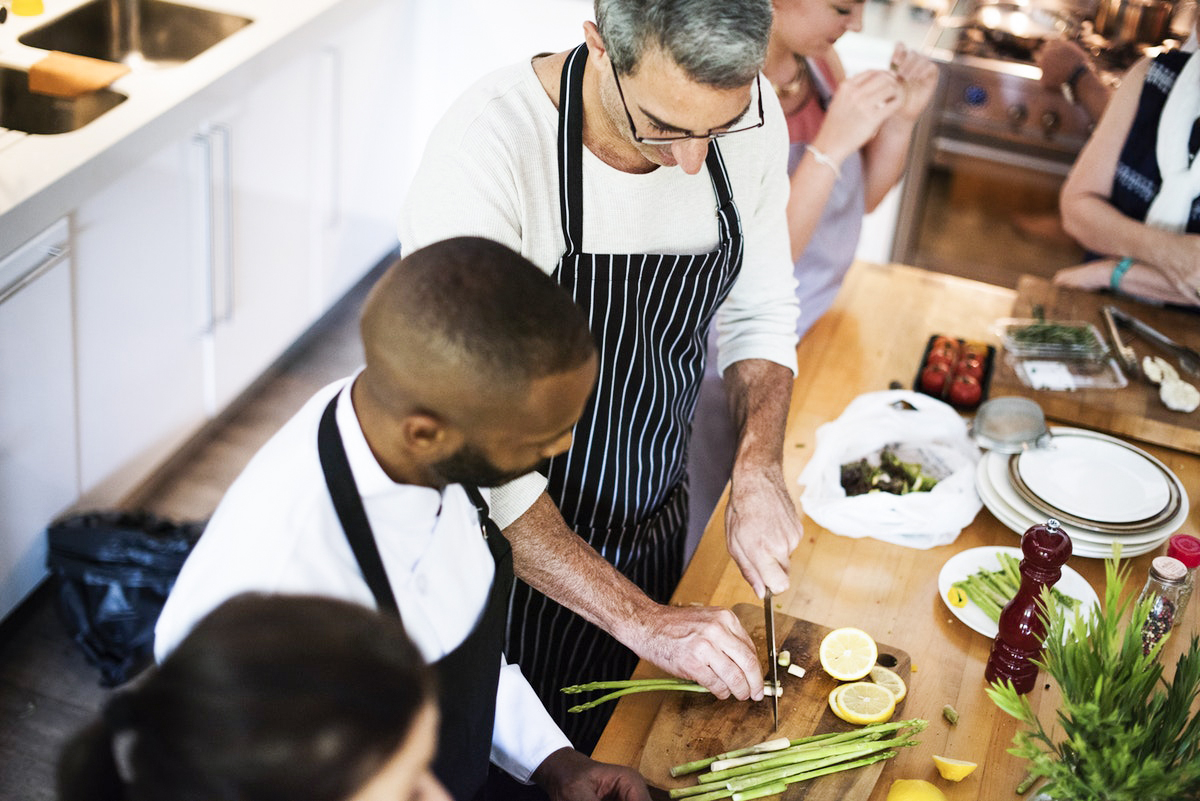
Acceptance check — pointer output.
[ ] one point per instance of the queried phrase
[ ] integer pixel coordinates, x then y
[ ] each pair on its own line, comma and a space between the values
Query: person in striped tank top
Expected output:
646, 170
1133, 195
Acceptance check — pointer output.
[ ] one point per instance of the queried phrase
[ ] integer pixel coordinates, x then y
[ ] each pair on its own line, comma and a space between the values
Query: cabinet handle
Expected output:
55, 254
203, 141
221, 132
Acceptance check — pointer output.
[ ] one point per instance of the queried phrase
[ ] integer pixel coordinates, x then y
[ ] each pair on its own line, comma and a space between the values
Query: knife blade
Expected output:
1189, 359
1125, 354
772, 654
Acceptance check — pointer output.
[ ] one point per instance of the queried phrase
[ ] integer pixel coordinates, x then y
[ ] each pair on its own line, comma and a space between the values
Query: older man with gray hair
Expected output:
646, 171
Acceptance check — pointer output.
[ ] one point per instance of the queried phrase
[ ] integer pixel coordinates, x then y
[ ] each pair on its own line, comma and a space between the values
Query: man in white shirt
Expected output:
601, 166
477, 367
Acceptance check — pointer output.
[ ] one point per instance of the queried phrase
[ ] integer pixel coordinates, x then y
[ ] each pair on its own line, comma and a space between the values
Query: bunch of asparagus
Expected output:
991, 590
768, 768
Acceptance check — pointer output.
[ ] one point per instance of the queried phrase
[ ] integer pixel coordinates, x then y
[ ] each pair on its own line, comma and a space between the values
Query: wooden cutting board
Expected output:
691, 726
1133, 411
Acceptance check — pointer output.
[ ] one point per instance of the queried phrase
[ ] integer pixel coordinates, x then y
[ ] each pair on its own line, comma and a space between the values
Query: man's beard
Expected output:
469, 466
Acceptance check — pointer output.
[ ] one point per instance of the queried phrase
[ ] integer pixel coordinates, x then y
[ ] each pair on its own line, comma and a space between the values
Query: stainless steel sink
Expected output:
135, 31
23, 110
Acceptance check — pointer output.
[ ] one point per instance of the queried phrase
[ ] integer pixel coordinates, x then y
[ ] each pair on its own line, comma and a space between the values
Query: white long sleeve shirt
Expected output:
490, 169
276, 531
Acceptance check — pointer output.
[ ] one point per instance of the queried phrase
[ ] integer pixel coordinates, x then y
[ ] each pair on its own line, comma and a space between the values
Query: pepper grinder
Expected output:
1046, 548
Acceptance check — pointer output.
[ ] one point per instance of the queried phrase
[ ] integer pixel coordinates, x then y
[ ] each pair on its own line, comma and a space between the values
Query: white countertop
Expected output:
42, 177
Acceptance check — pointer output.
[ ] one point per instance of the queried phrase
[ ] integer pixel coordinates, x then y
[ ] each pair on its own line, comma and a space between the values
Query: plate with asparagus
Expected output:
975, 584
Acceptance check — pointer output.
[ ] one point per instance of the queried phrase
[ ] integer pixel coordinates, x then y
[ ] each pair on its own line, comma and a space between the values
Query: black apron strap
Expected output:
570, 148
349, 507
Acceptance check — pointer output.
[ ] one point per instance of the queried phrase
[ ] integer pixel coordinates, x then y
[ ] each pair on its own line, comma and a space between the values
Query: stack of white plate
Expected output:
1101, 489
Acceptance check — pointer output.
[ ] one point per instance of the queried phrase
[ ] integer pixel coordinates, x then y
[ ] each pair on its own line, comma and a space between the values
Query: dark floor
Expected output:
47, 689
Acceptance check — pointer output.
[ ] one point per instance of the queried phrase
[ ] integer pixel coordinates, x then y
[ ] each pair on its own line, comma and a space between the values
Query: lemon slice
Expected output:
848, 654
889, 680
953, 769
863, 702
914, 790
833, 694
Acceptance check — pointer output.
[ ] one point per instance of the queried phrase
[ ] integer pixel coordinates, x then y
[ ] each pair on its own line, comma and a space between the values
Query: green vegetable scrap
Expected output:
891, 475
1046, 333
991, 590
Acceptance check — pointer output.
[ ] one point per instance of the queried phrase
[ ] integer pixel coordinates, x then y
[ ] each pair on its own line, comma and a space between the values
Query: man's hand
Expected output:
706, 644
567, 775
762, 527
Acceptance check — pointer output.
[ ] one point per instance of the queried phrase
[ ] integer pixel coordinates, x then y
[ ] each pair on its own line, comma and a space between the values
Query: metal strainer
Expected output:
1010, 425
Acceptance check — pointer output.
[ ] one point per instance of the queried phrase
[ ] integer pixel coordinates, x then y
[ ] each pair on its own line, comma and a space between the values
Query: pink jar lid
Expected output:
1168, 568
1185, 548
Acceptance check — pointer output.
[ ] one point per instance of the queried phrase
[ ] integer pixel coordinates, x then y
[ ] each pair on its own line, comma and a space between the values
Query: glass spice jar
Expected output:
1186, 549
1164, 585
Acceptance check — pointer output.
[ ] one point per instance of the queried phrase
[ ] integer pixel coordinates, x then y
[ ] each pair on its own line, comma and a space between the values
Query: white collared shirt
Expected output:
276, 531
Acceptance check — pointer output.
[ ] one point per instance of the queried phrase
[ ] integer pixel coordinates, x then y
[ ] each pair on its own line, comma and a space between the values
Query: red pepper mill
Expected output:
1046, 548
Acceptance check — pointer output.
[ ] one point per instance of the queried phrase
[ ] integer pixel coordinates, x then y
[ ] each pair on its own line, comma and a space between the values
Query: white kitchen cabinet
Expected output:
38, 475
140, 320
361, 145
254, 208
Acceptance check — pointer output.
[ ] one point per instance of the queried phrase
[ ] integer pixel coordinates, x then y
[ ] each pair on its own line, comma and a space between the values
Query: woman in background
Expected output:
849, 140
1134, 192
269, 697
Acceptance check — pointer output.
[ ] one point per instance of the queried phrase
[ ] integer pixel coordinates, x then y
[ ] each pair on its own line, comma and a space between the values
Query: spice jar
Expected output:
1163, 587
1186, 549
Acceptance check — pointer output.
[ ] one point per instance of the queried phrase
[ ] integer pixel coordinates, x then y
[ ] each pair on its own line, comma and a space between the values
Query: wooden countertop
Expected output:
876, 333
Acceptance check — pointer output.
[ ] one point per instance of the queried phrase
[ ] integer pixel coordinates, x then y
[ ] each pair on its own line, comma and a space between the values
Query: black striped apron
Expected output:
622, 484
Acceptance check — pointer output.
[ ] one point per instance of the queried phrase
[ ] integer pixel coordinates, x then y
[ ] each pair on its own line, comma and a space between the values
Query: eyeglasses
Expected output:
667, 140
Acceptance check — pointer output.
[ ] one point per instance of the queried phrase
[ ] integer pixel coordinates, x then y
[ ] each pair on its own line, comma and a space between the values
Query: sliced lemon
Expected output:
833, 694
914, 790
848, 654
863, 702
889, 680
953, 769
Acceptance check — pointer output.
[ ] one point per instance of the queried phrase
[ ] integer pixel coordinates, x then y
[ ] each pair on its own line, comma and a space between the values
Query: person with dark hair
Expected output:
477, 368
646, 171
269, 697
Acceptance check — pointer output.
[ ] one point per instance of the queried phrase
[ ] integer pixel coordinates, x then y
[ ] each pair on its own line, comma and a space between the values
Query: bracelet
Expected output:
824, 159
1118, 273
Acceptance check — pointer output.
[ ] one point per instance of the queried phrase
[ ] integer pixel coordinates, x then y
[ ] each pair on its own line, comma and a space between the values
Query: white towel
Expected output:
1180, 180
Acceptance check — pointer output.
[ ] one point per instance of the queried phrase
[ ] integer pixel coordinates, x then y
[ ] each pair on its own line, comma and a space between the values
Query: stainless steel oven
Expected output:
981, 195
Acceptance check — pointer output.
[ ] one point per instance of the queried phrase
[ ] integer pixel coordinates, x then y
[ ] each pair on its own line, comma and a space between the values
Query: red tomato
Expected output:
934, 379
946, 358
969, 366
965, 391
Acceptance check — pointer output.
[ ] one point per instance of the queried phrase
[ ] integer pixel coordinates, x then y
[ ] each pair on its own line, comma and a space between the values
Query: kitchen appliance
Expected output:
980, 198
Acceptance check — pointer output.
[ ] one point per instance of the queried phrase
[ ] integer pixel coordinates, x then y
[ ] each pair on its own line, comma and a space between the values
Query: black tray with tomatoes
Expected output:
955, 371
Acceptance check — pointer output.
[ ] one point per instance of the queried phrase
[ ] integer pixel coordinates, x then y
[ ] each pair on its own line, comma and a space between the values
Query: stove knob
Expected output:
1050, 122
1017, 114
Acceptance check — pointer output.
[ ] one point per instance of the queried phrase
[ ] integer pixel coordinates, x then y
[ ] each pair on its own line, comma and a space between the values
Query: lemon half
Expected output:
953, 769
848, 654
914, 790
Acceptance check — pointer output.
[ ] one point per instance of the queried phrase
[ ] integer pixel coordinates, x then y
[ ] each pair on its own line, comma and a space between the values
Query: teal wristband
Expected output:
1118, 273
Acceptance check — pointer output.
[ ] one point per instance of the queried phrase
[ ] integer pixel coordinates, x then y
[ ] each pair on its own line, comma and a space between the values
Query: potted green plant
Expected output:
1129, 734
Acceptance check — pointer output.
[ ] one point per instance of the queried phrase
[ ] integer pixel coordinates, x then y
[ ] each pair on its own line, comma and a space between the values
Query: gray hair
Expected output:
719, 43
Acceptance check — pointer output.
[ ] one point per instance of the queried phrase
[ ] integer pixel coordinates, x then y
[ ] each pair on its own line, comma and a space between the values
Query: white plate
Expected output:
1103, 480
997, 472
1018, 522
964, 563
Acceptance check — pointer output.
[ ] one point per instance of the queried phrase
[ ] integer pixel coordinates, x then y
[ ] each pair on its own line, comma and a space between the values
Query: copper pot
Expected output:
1134, 21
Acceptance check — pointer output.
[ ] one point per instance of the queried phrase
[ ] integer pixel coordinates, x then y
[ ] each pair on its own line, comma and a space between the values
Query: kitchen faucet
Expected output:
125, 21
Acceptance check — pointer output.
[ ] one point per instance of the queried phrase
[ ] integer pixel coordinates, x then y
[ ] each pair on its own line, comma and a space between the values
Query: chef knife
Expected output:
1189, 360
1125, 354
772, 654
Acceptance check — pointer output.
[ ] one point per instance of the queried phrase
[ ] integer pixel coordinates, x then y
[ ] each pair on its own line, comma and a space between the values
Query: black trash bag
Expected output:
114, 572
